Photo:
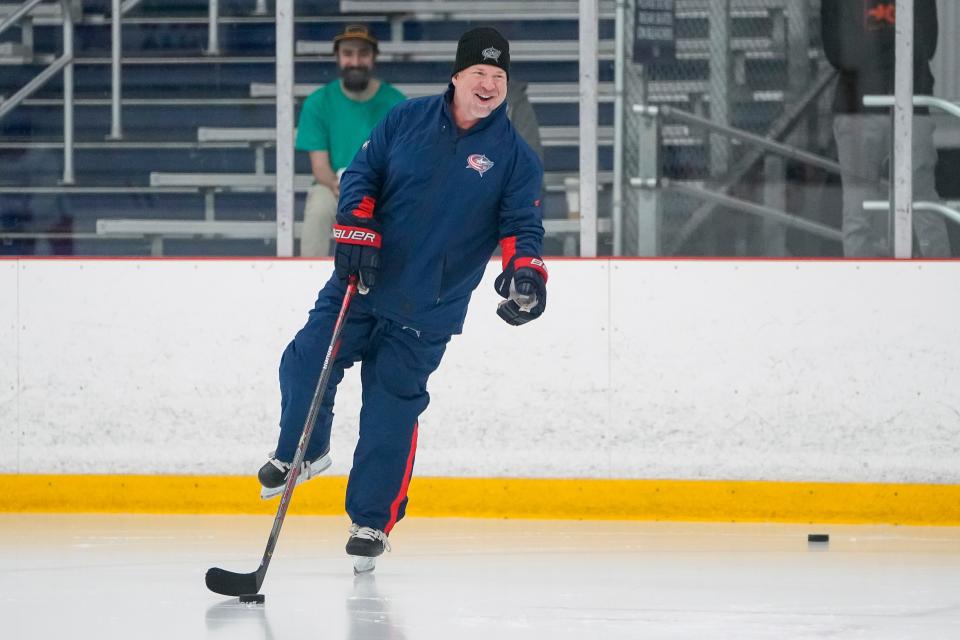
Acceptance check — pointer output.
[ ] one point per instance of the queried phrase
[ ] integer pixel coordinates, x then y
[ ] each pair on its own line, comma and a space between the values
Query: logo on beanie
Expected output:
491, 53
479, 163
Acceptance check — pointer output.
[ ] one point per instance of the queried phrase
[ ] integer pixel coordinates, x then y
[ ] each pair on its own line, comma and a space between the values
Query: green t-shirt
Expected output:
330, 121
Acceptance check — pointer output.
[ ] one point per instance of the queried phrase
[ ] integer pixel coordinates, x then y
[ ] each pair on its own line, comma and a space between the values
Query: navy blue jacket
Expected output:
441, 199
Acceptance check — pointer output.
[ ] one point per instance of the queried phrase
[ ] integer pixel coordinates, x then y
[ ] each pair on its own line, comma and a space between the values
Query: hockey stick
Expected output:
229, 583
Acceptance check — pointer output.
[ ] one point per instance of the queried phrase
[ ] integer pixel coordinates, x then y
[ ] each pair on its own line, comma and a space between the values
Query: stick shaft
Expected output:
315, 404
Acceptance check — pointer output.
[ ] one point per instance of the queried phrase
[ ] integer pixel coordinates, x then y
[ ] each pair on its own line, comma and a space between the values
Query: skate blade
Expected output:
318, 467
363, 564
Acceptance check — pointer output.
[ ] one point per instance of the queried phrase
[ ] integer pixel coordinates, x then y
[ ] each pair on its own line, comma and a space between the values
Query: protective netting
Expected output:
738, 63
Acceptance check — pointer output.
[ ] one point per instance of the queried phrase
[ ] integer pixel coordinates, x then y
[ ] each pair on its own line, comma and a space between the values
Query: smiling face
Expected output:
356, 59
478, 91
355, 53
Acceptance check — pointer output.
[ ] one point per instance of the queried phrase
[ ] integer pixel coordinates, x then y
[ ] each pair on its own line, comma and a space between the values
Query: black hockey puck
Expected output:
255, 598
818, 537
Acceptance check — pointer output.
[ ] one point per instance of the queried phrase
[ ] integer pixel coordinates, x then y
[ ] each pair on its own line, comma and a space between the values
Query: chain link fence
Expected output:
749, 65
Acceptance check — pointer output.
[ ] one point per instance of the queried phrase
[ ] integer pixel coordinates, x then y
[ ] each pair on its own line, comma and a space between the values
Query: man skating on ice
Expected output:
422, 208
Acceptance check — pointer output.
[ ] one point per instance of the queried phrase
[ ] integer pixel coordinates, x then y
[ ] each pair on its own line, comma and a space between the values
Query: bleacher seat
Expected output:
173, 92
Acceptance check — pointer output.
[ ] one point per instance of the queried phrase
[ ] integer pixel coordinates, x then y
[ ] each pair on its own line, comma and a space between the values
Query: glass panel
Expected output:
871, 149
945, 67
936, 208
734, 69
176, 80
417, 56
762, 67
199, 103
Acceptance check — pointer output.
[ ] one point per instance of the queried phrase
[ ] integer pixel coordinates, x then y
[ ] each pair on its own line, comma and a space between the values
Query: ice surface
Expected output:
103, 577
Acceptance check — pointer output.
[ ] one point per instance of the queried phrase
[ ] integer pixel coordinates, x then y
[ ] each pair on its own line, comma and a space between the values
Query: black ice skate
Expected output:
364, 545
273, 474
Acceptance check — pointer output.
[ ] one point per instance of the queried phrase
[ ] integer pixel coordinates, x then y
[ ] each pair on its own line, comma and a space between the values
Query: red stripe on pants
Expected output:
395, 506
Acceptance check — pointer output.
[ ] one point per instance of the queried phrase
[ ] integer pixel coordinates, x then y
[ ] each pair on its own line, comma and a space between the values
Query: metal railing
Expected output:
918, 101
764, 211
763, 142
116, 66
64, 62
778, 131
118, 9
650, 179
18, 13
902, 205
919, 205
213, 29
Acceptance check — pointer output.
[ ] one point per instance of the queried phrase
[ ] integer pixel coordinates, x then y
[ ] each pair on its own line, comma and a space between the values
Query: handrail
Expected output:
118, 9
65, 63
619, 98
68, 18
742, 205
918, 101
767, 143
920, 205
903, 167
116, 68
14, 17
38, 81
128, 6
213, 28
779, 148
780, 128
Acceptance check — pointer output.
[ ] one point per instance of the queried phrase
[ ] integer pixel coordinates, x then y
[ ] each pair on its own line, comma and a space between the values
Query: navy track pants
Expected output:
396, 362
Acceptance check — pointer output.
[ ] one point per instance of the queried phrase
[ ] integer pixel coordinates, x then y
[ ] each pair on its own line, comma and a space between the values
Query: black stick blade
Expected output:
229, 583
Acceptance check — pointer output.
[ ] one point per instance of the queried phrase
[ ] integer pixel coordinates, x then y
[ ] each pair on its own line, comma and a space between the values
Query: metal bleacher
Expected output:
444, 51
427, 10
197, 123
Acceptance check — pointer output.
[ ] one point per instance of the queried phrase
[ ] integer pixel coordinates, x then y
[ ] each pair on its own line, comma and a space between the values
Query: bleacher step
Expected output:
16, 59
15, 53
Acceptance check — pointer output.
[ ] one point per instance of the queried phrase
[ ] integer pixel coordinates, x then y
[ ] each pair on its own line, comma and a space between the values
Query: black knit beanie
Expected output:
483, 45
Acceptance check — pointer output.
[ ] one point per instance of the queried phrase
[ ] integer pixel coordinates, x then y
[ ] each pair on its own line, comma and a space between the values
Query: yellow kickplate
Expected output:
692, 500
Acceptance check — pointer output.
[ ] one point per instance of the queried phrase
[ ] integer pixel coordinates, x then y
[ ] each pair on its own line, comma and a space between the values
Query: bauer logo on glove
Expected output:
357, 252
355, 235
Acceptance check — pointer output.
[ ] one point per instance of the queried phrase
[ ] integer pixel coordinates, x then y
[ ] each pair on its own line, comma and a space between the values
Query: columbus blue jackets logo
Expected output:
479, 163
491, 53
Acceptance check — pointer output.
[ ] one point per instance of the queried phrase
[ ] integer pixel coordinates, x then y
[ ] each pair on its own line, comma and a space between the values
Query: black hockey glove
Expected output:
358, 251
524, 285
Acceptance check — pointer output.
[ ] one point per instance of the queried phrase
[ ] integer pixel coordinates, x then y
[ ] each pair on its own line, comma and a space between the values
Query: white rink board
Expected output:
156, 366
9, 424
519, 401
787, 370
834, 371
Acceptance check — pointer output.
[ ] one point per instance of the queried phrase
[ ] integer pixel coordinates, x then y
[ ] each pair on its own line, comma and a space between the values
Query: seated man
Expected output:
334, 122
